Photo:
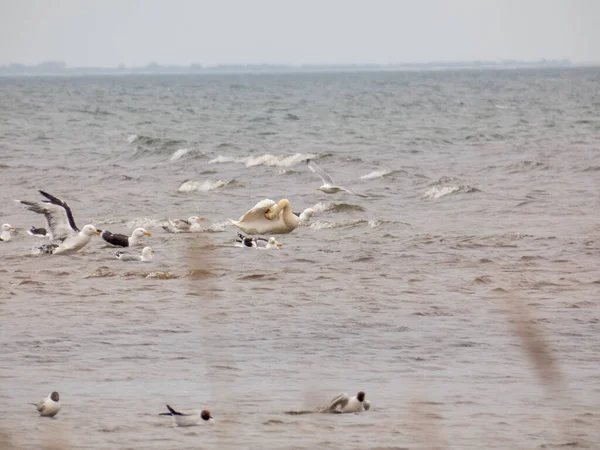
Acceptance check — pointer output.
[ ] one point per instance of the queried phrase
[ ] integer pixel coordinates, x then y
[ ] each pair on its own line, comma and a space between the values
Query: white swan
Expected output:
268, 217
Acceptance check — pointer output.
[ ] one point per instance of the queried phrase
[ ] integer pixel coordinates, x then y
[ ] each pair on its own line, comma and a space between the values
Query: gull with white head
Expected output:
65, 236
6, 232
183, 225
146, 255
329, 187
122, 240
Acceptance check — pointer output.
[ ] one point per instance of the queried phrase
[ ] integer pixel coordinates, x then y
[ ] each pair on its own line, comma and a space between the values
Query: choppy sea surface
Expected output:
461, 294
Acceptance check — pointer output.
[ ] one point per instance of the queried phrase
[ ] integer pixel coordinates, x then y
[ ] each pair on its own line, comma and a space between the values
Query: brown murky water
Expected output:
461, 294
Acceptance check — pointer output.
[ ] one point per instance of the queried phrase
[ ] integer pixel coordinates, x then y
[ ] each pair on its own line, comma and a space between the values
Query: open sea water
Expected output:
461, 294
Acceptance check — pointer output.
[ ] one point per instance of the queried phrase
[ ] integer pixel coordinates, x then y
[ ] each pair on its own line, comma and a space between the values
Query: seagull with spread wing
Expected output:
64, 234
329, 187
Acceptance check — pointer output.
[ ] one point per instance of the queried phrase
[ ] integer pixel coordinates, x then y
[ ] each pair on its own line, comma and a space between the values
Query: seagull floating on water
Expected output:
188, 418
146, 255
268, 217
183, 225
329, 187
345, 404
122, 240
258, 242
6, 233
305, 215
66, 237
38, 232
50, 406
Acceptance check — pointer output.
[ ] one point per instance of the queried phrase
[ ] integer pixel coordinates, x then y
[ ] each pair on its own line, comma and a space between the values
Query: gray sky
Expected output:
135, 32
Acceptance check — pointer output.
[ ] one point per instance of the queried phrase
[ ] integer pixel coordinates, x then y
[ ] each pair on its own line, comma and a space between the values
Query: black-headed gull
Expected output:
188, 418
50, 406
346, 404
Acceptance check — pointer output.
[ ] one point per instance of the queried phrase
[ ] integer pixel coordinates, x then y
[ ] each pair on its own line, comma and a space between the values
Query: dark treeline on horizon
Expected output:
60, 67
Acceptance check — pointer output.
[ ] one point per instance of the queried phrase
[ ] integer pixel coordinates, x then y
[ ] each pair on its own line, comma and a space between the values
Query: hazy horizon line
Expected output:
479, 61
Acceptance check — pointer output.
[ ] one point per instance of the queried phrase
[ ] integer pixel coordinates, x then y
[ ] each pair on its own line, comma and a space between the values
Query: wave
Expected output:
202, 186
337, 207
179, 154
526, 165
268, 160
144, 222
216, 227
442, 191
326, 224
380, 174
147, 145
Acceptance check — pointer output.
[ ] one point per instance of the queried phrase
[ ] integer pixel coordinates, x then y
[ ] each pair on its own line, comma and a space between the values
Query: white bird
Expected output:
329, 187
345, 404
50, 406
188, 418
122, 240
183, 225
268, 217
146, 255
305, 215
64, 233
5, 234
272, 244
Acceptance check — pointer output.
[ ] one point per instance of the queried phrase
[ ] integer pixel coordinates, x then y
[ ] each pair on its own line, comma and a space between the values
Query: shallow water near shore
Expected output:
482, 212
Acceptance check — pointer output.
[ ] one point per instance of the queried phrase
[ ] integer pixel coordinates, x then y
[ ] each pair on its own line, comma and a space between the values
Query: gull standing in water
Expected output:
345, 404
50, 406
329, 187
188, 418
66, 237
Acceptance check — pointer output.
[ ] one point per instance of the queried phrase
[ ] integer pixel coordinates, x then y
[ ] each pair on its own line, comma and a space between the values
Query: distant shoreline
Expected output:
60, 68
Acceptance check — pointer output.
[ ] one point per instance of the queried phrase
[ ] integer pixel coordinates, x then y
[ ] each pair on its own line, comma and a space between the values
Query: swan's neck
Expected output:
285, 209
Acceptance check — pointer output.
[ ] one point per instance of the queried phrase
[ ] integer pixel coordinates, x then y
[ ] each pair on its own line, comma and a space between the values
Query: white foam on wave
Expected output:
223, 159
267, 159
131, 138
328, 224
377, 174
178, 154
201, 186
216, 227
144, 222
441, 191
